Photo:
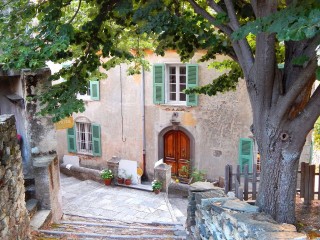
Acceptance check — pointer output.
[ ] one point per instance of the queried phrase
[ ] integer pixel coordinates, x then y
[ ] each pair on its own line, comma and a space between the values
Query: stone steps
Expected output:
32, 206
40, 219
80, 227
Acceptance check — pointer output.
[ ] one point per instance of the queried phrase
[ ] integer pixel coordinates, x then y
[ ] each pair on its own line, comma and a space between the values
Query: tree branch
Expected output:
76, 12
244, 47
311, 46
215, 6
254, 5
311, 112
234, 23
210, 18
301, 82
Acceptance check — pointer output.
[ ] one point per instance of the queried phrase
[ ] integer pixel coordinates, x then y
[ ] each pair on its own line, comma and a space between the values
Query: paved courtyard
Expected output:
93, 199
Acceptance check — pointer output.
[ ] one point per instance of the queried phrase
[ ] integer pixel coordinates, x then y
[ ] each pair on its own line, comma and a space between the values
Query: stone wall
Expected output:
14, 219
41, 132
221, 217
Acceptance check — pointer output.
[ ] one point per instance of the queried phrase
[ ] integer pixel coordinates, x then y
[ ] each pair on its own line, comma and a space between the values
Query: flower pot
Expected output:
107, 181
156, 191
121, 180
127, 182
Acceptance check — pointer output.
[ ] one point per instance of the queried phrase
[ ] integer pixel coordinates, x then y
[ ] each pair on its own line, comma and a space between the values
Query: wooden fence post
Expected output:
237, 186
302, 179
312, 174
240, 190
238, 174
228, 179
254, 182
246, 182
306, 194
319, 183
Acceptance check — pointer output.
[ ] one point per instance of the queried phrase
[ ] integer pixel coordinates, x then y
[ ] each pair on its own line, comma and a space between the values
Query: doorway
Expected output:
177, 153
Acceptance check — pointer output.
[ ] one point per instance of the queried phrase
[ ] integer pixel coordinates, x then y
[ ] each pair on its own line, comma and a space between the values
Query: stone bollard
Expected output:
47, 183
113, 165
163, 173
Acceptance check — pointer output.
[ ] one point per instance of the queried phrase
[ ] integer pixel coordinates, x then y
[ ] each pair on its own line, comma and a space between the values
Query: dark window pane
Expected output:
182, 97
182, 79
172, 70
182, 70
172, 96
182, 87
172, 78
173, 88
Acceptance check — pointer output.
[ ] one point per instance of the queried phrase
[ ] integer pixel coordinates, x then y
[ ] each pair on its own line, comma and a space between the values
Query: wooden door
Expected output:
177, 153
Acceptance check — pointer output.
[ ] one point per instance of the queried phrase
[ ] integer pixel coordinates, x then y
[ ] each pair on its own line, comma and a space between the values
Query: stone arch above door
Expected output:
175, 133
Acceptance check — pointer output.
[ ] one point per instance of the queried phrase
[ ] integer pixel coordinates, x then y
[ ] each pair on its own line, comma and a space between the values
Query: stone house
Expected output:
35, 133
146, 117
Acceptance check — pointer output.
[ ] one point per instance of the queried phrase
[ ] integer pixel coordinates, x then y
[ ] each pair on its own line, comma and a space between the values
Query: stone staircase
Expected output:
81, 227
38, 217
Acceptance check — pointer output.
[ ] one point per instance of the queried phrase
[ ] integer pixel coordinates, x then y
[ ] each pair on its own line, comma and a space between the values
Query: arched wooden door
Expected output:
177, 153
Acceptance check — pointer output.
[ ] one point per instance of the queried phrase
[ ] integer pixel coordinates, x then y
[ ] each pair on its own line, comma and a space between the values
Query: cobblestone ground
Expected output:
94, 211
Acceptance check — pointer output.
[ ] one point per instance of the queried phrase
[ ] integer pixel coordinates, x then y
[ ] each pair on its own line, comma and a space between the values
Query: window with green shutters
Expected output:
96, 140
170, 81
71, 139
158, 83
95, 90
246, 153
84, 138
192, 81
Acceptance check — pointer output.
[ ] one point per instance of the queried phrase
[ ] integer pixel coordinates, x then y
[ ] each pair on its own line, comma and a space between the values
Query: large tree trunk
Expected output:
280, 155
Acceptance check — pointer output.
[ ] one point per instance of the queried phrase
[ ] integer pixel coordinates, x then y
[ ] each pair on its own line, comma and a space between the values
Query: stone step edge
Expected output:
32, 206
41, 219
144, 222
97, 235
118, 226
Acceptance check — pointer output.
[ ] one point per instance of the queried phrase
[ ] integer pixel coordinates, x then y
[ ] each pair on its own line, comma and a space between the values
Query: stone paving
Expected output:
89, 198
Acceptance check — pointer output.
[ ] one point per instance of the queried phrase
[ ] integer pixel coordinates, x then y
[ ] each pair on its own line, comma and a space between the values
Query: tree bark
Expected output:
278, 180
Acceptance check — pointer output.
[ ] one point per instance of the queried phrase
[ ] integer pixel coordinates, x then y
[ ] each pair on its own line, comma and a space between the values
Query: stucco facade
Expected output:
214, 127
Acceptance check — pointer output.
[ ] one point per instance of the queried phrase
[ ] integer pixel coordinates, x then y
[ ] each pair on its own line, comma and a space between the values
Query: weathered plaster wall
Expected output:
215, 125
14, 219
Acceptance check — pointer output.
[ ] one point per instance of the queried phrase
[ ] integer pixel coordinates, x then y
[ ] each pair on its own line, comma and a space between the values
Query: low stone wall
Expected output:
229, 218
14, 219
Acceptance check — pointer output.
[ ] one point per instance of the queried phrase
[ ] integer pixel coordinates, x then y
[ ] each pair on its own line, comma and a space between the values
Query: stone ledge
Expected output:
230, 218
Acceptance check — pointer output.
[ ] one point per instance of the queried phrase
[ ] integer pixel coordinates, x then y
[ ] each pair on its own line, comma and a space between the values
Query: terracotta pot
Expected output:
107, 181
156, 191
127, 182
121, 180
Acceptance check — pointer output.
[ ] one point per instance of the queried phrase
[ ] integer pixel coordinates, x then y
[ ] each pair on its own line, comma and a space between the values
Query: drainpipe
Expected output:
143, 102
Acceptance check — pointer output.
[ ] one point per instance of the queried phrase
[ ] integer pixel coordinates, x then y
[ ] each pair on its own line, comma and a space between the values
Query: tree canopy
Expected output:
271, 44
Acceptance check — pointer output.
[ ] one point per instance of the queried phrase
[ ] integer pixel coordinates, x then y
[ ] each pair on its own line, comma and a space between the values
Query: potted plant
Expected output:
156, 186
128, 180
121, 175
107, 176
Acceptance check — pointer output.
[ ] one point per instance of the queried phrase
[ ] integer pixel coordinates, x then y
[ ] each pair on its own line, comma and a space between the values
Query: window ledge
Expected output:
86, 154
173, 105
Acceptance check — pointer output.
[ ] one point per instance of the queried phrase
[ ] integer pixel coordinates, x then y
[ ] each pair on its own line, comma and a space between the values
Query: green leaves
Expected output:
295, 23
225, 82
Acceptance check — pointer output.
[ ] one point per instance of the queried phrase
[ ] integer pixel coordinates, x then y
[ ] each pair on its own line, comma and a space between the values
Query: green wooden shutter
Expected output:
246, 153
96, 139
94, 90
158, 83
192, 81
71, 138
